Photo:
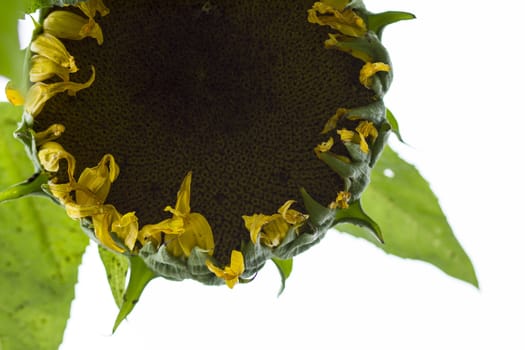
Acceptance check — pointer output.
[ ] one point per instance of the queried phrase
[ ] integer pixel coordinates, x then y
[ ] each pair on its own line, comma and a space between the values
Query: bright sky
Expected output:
457, 95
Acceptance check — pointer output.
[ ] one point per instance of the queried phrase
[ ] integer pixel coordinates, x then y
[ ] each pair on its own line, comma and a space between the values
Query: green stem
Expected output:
32, 186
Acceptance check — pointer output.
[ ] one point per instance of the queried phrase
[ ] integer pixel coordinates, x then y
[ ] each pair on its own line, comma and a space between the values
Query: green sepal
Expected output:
378, 21
355, 214
374, 112
140, 276
318, 214
341, 167
285, 269
255, 257
116, 266
394, 124
32, 186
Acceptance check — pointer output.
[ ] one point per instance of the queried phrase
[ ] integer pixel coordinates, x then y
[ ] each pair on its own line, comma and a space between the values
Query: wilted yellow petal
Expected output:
274, 231
40, 93
50, 134
341, 201
42, 68
324, 146
50, 155
91, 7
345, 21
332, 122
94, 183
369, 70
367, 129
231, 273
291, 216
182, 207
14, 96
254, 224
102, 224
126, 227
68, 25
49, 46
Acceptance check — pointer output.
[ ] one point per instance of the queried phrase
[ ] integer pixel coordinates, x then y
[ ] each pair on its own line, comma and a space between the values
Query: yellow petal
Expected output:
126, 227
369, 70
68, 25
102, 224
291, 216
182, 207
49, 46
254, 224
154, 232
14, 96
324, 146
345, 21
341, 201
232, 272
237, 262
197, 233
332, 122
274, 231
346, 135
94, 183
39, 93
367, 129
50, 134
91, 7
50, 155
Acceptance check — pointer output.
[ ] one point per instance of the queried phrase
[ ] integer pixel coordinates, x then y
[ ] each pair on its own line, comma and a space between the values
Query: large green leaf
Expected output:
412, 221
41, 249
11, 57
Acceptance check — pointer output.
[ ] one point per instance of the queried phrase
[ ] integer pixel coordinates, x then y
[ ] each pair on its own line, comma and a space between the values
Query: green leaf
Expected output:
116, 266
41, 251
394, 124
11, 57
355, 214
413, 224
141, 275
285, 269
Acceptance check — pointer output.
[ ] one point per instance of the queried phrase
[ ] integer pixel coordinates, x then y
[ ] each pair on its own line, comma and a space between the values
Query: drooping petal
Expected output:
291, 216
50, 155
94, 183
182, 207
369, 70
14, 95
231, 273
332, 122
324, 146
345, 21
91, 7
49, 46
341, 201
274, 231
127, 229
68, 25
39, 93
254, 224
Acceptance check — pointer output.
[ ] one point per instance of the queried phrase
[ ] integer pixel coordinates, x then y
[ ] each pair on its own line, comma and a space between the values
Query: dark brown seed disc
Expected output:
235, 91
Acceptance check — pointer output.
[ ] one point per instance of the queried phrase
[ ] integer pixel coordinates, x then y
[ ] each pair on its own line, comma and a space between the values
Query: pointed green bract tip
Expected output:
355, 214
378, 21
285, 269
141, 275
32, 186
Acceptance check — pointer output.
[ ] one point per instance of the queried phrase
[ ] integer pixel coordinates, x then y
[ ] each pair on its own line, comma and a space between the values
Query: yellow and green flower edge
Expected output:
182, 246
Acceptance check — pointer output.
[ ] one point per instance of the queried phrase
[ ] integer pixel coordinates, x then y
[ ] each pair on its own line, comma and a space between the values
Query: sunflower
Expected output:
207, 137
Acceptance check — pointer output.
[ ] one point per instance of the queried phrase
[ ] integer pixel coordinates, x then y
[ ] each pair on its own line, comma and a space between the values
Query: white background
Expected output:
457, 94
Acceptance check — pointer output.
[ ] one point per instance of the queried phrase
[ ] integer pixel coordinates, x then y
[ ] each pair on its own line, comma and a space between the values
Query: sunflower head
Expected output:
207, 137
